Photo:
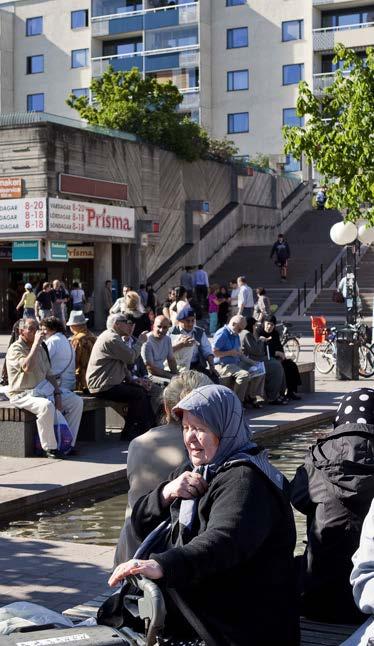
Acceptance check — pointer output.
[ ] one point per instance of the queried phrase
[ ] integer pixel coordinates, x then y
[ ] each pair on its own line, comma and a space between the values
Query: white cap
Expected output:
28, 286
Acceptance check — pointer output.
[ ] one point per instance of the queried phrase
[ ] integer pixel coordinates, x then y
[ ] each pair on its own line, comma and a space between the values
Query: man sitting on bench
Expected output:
109, 377
157, 350
33, 387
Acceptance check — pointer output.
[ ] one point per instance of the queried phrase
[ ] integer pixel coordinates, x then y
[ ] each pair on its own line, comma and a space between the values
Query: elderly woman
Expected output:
153, 455
334, 488
61, 353
262, 305
82, 342
228, 558
131, 305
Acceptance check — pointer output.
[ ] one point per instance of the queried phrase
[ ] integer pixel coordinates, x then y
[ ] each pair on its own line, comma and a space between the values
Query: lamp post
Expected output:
351, 235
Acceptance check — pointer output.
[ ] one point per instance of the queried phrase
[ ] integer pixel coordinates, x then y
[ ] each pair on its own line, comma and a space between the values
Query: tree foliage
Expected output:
338, 136
125, 101
222, 150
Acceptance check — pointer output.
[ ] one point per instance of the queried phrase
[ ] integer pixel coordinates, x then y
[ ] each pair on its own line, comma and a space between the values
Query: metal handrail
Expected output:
148, 52
141, 12
357, 25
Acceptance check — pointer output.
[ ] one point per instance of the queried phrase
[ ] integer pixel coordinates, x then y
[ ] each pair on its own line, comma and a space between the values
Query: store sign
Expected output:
10, 187
57, 251
26, 250
86, 218
95, 188
81, 253
23, 216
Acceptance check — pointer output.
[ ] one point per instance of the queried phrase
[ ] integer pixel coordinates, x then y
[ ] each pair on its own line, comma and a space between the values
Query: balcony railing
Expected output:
120, 23
322, 81
191, 98
325, 38
172, 58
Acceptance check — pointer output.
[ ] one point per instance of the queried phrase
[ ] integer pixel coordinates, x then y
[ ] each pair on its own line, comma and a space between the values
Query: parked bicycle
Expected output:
325, 351
290, 341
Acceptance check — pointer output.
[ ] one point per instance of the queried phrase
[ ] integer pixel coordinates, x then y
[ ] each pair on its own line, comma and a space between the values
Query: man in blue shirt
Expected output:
229, 360
201, 284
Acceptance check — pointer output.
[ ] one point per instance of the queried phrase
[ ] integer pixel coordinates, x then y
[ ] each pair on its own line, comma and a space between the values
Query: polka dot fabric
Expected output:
357, 407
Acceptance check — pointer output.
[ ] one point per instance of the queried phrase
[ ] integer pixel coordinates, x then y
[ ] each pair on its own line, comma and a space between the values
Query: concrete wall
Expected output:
6, 61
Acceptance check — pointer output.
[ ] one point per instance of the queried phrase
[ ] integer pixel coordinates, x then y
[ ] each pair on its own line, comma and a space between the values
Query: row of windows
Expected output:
78, 20
35, 64
238, 36
238, 122
239, 79
35, 102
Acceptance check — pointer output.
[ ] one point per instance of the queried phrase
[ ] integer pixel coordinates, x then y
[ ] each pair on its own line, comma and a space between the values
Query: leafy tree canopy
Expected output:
142, 106
338, 136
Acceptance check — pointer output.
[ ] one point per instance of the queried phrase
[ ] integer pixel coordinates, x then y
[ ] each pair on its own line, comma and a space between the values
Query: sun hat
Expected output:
28, 286
76, 318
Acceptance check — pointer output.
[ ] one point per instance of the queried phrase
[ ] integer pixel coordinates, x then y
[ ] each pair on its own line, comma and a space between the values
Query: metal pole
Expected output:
305, 296
354, 250
298, 304
321, 276
315, 280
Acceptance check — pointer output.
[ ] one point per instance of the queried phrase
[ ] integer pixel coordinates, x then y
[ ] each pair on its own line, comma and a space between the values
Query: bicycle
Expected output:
290, 342
325, 352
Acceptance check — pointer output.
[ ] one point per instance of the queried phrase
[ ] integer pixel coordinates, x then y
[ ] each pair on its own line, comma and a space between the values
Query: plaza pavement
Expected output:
63, 574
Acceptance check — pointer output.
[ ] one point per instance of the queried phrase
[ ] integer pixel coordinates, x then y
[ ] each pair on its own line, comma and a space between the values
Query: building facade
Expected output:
237, 62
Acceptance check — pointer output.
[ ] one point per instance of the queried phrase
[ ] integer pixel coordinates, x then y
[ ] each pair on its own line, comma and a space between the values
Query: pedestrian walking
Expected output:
281, 250
27, 302
43, 305
78, 297
245, 298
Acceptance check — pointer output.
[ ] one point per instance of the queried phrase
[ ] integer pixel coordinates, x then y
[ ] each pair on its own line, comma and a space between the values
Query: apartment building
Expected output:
237, 62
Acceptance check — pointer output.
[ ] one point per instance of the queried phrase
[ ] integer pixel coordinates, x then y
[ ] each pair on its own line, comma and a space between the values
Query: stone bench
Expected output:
307, 375
18, 427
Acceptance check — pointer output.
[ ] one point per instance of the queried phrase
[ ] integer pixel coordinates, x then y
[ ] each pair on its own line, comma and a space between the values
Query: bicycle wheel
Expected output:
366, 359
324, 357
291, 348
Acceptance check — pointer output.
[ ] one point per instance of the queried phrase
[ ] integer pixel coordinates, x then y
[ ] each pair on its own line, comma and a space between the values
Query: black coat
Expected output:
334, 488
237, 572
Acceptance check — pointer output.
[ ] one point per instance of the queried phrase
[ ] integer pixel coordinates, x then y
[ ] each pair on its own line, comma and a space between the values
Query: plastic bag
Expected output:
23, 613
63, 434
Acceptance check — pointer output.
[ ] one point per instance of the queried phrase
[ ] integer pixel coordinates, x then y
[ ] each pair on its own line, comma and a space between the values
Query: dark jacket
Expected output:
237, 569
281, 250
334, 488
274, 344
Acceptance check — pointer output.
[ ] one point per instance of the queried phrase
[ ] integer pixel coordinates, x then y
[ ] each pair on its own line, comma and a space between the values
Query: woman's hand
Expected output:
188, 485
150, 569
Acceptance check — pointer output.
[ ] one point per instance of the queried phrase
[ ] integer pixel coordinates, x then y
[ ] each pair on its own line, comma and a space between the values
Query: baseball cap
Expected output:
185, 313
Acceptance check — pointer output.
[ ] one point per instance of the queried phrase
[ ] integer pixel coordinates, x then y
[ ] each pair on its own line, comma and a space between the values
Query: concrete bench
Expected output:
18, 427
307, 375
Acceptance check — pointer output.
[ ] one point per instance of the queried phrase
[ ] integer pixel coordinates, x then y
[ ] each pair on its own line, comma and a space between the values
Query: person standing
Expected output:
262, 306
186, 281
234, 292
245, 298
282, 252
201, 285
58, 300
107, 297
213, 306
78, 297
44, 302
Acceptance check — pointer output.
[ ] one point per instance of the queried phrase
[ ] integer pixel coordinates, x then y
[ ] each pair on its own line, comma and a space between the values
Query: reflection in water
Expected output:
90, 520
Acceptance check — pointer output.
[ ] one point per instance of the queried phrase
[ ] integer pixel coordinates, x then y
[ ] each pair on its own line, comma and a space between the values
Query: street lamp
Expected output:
350, 234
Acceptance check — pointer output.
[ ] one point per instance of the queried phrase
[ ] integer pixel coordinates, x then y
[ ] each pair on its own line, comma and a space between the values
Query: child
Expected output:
27, 302
213, 309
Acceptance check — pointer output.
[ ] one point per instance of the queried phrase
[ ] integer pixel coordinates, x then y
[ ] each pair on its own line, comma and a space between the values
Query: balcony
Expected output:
103, 26
191, 99
322, 81
357, 35
148, 61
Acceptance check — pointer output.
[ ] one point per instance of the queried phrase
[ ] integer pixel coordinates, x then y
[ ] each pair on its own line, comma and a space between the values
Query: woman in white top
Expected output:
78, 297
61, 353
178, 304
120, 304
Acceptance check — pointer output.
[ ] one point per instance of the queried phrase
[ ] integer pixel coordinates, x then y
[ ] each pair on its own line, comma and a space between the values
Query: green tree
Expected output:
142, 106
338, 136
222, 150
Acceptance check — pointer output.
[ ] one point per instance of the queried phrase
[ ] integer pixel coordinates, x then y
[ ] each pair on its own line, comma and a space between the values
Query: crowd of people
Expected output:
208, 516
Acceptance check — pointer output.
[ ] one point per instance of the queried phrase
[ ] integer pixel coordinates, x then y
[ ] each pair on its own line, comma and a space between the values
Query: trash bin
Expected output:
347, 356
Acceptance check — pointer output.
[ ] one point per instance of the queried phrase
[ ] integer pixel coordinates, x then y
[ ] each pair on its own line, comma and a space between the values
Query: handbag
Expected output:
337, 297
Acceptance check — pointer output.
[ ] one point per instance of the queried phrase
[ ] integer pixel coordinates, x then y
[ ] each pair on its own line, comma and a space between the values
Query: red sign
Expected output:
87, 187
10, 188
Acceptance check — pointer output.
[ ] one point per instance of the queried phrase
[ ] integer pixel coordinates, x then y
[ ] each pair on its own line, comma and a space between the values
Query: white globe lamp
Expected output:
343, 233
365, 232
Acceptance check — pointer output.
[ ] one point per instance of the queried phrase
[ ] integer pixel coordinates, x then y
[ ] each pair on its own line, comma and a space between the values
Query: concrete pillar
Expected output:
102, 272
130, 265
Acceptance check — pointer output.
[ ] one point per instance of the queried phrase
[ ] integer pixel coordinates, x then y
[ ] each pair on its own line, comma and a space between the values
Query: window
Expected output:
79, 19
237, 122
34, 64
290, 118
79, 58
347, 17
118, 47
34, 26
237, 37
234, 3
81, 91
35, 102
293, 73
292, 30
292, 165
237, 80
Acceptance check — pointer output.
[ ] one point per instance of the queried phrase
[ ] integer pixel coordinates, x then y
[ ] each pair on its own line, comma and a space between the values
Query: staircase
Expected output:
310, 246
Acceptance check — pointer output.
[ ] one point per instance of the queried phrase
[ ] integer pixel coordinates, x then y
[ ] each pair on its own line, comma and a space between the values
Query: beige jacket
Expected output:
108, 362
19, 381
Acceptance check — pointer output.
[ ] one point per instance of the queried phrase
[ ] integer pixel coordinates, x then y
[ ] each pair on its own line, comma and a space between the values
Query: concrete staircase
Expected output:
310, 246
